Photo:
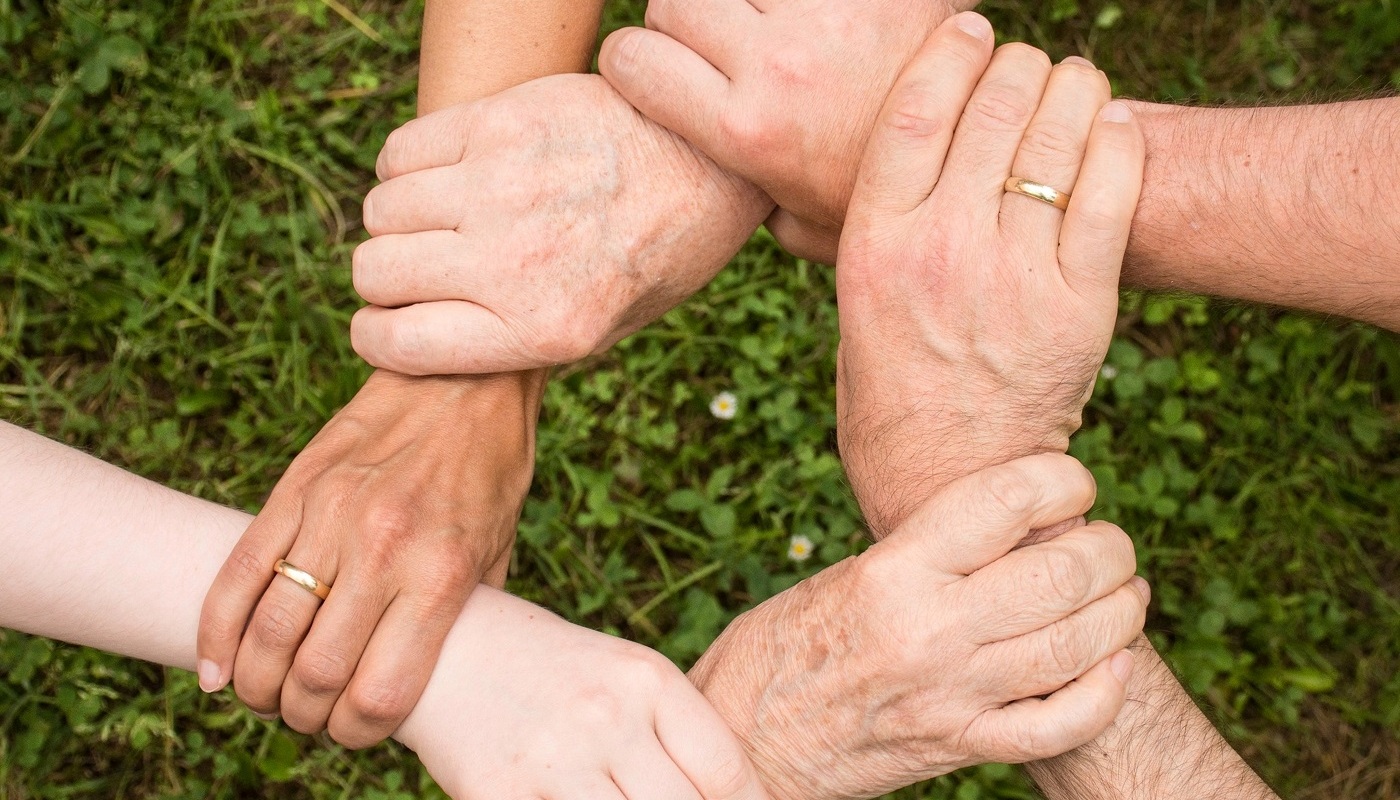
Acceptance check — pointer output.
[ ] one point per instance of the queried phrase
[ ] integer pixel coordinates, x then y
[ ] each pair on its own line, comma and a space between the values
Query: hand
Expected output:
974, 320
524, 704
401, 503
535, 228
781, 92
931, 651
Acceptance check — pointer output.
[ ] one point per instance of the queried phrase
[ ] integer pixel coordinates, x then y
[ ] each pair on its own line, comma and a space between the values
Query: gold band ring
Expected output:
1038, 191
302, 578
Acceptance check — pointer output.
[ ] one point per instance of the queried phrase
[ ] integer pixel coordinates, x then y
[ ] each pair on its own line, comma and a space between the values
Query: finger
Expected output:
1043, 584
978, 519
400, 269
326, 660
1051, 657
700, 743
277, 628
395, 666
716, 30
905, 153
992, 126
1095, 233
1034, 728
804, 239
671, 85
427, 200
240, 584
649, 772
1053, 149
440, 139
451, 337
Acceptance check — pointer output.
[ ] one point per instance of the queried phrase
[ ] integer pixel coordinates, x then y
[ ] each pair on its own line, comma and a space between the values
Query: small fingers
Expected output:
279, 624
1044, 583
992, 126
1057, 654
1032, 729
394, 270
671, 85
396, 666
904, 157
1095, 233
802, 238
1053, 149
978, 519
650, 773
701, 744
427, 200
451, 337
715, 30
438, 140
326, 660
240, 584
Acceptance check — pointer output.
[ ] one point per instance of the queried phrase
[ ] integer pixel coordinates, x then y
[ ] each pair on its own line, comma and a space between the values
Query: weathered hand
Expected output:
781, 92
534, 228
402, 503
525, 705
974, 320
932, 650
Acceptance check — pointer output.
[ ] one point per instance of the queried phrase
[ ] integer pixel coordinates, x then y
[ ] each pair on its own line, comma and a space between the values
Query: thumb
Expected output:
978, 519
670, 84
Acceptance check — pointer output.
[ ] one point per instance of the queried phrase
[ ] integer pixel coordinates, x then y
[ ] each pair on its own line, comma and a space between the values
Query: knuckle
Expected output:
322, 672
914, 112
598, 708
249, 568
1099, 217
1001, 107
750, 136
275, 628
1009, 494
1066, 653
791, 65
379, 702
727, 774
1065, 575
1053, 142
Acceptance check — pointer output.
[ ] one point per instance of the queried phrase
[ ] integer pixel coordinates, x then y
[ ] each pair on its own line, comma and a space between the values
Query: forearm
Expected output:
1287, 206
93, 555
476, 48
1161, 747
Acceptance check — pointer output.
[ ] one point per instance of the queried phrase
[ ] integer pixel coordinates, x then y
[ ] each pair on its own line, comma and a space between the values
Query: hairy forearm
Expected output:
1286, 206
1161, 747
476, 48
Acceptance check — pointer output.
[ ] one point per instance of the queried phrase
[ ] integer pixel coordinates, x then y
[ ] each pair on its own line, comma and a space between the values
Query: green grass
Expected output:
179, 189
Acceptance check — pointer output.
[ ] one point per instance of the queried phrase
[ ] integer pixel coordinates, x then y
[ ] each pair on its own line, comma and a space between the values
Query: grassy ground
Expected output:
179, 188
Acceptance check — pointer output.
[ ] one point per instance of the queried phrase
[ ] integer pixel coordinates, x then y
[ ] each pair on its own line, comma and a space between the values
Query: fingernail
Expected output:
211, 678
1083, 62
974, 25
1122, 665
1116, 112
265, 717
1143, 588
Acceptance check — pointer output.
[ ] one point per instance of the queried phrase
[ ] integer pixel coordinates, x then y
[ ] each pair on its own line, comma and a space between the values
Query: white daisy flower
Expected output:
724, 406
800, 548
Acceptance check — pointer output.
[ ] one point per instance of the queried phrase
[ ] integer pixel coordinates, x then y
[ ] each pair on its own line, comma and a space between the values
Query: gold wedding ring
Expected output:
302, 578
1038, 191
